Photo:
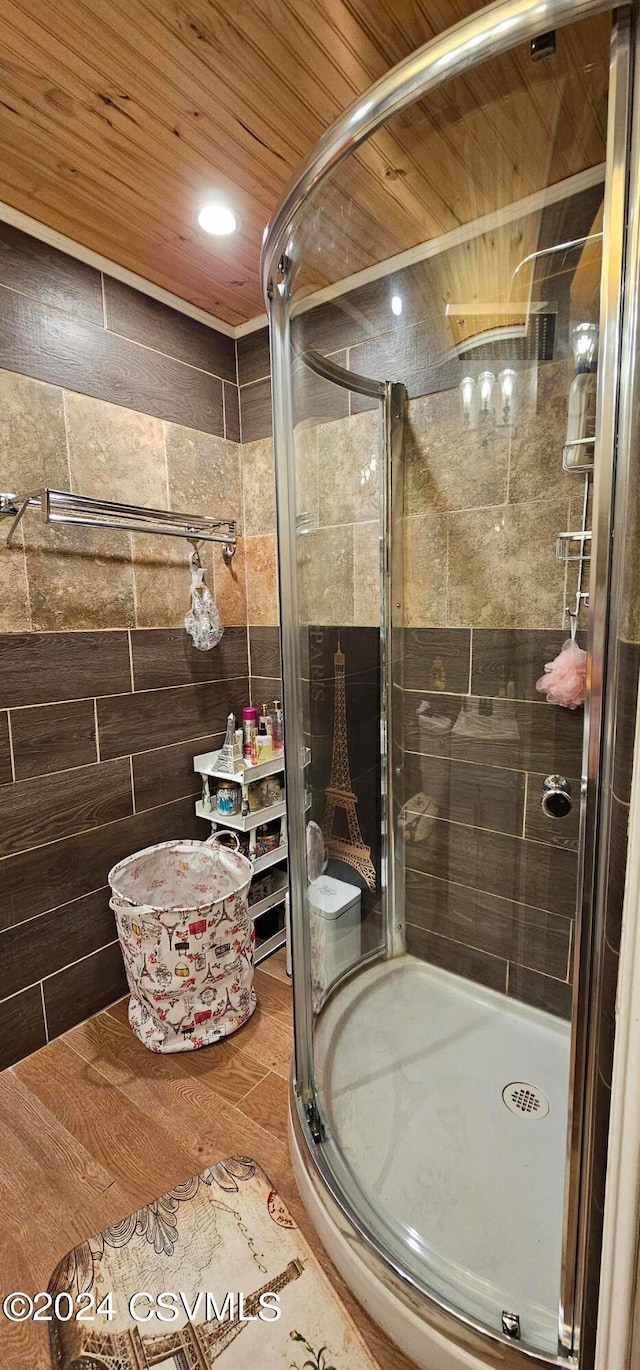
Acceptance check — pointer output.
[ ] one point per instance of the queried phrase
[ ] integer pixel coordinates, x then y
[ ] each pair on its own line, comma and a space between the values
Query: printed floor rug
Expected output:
194, 1280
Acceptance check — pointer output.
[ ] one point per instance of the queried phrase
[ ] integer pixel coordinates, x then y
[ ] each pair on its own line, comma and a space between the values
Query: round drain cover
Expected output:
525, 1099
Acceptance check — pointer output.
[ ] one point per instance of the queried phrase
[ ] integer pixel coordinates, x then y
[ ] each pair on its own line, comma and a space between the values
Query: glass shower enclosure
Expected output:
444, 283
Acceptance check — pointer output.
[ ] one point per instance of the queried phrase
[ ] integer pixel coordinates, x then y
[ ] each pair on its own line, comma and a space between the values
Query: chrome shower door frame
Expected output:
496, 29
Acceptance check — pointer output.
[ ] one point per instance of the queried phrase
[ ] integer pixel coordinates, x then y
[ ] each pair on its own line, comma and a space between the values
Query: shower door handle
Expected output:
556, 797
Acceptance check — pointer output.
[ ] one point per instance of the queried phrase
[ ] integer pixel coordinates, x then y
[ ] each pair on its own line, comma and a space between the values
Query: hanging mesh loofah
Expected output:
203, 620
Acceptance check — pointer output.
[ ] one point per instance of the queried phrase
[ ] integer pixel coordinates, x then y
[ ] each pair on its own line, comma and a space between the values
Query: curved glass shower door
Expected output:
437, 330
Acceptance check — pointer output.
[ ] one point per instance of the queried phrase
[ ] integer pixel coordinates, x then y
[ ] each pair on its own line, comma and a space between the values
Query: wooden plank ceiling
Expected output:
118, 117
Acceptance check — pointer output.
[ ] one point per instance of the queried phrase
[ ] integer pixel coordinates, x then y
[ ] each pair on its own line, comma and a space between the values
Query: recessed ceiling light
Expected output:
396, 304
217, 218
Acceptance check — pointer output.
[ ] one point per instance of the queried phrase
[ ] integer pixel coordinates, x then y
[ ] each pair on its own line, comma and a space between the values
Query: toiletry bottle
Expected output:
277, 727
249, 727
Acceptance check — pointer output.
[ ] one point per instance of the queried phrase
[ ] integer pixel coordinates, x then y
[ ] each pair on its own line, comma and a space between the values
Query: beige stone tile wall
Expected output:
58, 578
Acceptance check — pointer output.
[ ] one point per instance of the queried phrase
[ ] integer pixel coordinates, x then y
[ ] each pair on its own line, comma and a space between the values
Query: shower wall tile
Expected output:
80, 581
84, 988
48, 275
425, 546
204, 474
325, 568
22, 1026
258, 481
230, 586
262, 580
315, 399
366, 573
629, 672
162, 657
255, 410
48, 807
616, 871
115, 453
453, 956
158, 718
539, 434
541, 991
543, 740
502, 573
513, 932
56, 939
348, 467
436, 659
484, 796
41, 668
53, 737
447, 464
231, 398
157, 326
15, 612
504, 655
161, 579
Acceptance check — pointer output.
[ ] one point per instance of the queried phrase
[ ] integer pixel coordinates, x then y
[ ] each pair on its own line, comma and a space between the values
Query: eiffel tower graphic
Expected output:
339, 794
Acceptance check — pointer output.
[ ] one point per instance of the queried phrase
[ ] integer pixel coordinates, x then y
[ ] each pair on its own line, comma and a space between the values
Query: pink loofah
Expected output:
564, 680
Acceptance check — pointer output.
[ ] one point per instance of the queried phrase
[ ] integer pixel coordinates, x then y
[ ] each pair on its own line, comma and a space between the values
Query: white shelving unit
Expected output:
206, 765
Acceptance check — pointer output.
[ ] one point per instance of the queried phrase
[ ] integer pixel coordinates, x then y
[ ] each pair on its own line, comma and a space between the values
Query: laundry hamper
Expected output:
187, 939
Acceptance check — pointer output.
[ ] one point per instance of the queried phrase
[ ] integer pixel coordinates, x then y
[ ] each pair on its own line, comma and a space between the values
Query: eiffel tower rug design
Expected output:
218, 1249
339, 794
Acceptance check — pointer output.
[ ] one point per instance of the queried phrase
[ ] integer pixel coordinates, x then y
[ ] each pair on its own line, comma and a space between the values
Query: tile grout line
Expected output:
103, 297
44, 1012
95, 724
67, 966
133, 791
11, 755
133, 685
243, 1097
524, 806
505, 898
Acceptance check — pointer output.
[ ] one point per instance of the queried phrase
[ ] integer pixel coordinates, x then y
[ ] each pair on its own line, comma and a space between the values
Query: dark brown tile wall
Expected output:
488, 875
94, 778
130, 350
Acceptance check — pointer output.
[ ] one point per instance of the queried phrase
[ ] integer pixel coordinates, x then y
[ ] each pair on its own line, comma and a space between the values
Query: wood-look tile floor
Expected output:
93, 1126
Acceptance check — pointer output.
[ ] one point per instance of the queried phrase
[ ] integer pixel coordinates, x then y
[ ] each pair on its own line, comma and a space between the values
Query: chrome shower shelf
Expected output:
563, 546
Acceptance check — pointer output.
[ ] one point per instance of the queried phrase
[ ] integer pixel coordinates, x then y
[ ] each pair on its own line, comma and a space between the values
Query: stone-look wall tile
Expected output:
425, 571
348, 470
259, 489
366, 573
448, 465
262, 579
230, 586
161, 572
306, 469
32, 435
503, 571
78, 577
15, 614
115, 453
204, 474
325, 570
535, 465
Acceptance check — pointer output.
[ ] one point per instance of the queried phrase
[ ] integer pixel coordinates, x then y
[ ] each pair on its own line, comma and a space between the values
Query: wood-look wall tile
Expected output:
66, 351
165, 656
6, 775
80, 990
540, 991
79, 578
58, 872
315, 399
42, 668
483, 796
115, 453
167, 773
454, 956
32, 435
264, 644
543, 739
254, 362
265, 689
526, 872
53, 737
501, 655
50, 276
626, 704
167, 330
255, 410
607, 1019
561, 832
513, 932
435, 659
231, 412
205, 474
157, 718
22, 1027
616, 874
55, 939
51, 806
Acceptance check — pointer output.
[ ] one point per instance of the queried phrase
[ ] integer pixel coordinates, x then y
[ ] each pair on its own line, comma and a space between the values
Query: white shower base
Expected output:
411, 1063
